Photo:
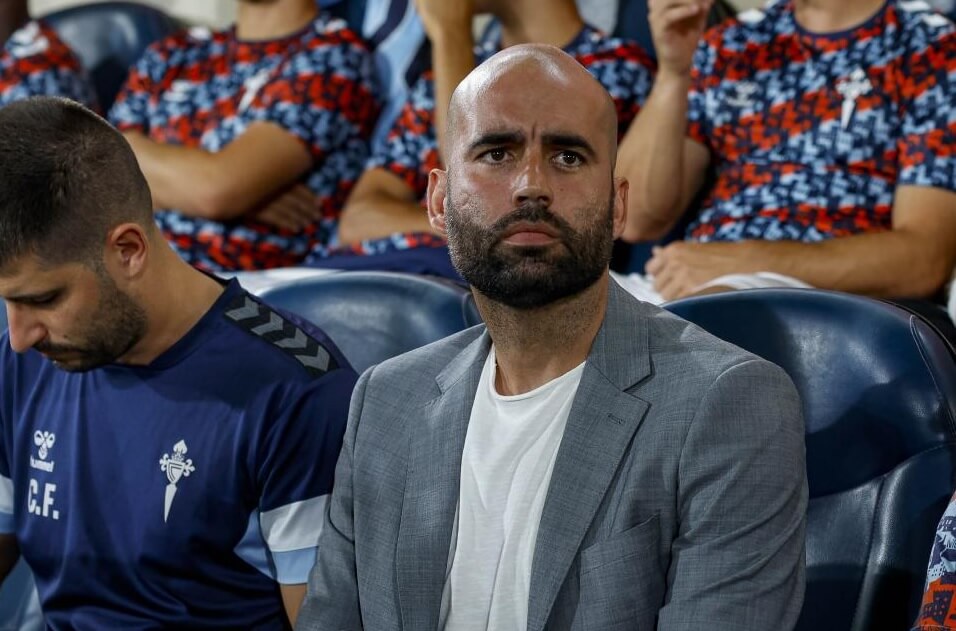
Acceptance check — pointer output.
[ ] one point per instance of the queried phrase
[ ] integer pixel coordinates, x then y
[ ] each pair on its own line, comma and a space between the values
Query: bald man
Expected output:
582, 460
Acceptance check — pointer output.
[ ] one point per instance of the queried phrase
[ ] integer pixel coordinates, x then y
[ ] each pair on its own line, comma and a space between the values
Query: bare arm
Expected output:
448, 26
381, 204
664, 167
292, 597
914, 259
9, 554
257, 165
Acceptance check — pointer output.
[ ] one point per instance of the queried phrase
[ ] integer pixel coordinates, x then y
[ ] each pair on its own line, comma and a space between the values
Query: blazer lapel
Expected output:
599, 432
436, 442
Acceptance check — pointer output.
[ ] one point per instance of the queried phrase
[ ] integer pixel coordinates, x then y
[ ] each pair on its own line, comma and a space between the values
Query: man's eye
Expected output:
570, 159
496, 155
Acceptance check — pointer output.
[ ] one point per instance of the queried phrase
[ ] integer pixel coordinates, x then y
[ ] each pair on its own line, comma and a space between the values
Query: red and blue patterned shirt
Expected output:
36, 62
811, 134
202, 89
938, 610
410, 150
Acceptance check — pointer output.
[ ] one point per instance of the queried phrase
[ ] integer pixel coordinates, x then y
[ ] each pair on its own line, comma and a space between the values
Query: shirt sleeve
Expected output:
40, 64
938, 609
410, 150
703, 79
627, 72
297, 461
130, 111
927, 146
6, 481
325, 95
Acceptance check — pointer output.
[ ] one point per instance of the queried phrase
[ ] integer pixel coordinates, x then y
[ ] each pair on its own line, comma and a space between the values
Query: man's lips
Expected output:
530, 233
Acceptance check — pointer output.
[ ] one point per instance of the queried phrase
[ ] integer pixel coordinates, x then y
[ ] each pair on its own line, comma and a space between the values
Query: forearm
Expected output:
651, 157
378, 216
179, 177
895, 263
453, 58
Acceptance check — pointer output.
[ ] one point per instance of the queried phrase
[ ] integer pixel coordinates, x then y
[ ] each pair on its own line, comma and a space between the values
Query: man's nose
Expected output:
533, 183
25, 330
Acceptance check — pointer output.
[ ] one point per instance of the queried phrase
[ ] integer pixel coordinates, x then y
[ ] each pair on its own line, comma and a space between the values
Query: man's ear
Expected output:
435, 199
127, 250
620, 205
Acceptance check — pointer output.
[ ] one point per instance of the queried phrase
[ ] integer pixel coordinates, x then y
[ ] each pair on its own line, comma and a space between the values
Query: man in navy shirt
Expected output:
167, 442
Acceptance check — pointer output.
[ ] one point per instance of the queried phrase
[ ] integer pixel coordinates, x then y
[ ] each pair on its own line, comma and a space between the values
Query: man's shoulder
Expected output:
594, 46
681, 350
277, 346
920, 25
416, 370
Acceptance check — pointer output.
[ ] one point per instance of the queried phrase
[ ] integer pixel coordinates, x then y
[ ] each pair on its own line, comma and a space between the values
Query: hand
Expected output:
680, 268
445, 18
294, 209
676, 27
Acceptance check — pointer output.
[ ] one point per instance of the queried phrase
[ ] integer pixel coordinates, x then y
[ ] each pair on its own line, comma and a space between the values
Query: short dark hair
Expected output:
66, 178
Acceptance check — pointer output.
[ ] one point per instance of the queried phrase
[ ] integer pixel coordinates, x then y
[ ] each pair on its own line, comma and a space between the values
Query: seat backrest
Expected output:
109, 37
372, 316
879, 398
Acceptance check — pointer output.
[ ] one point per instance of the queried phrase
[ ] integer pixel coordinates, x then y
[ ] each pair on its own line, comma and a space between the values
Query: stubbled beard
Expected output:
528, 277
116, 326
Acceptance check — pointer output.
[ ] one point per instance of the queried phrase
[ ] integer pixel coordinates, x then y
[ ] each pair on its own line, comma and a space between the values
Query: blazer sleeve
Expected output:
331, 600
738, 558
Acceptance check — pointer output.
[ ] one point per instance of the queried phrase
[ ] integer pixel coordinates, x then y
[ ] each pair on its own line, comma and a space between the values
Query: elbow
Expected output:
644, 226
935, 275
352, 220
218, 203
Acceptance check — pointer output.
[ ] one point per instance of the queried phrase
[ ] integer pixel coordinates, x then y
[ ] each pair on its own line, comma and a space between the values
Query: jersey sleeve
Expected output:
410, 149
6, 477
130, 111
938, 609
627, 72
703, 79
297, 461
927, 147
37, 63
325, 96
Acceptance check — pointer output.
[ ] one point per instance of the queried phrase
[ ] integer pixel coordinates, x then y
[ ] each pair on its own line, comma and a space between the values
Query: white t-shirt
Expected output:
509, 453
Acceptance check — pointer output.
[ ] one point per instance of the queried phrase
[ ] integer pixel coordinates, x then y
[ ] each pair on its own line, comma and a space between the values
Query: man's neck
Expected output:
831, 16
527, 21
13, 15
534, 346
179, 297
273, 20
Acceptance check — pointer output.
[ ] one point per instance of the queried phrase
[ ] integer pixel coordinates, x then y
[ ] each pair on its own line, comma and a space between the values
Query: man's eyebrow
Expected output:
27, 298
569, 141
496, 138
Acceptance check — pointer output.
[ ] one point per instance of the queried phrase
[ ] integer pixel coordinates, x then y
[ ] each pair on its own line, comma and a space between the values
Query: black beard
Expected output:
117, 325
528, 277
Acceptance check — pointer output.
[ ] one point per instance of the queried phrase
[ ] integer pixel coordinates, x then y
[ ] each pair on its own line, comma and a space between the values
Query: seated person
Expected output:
252, 137
385, 212
581, 460
829, 129
938, 611
167, 441
35, 61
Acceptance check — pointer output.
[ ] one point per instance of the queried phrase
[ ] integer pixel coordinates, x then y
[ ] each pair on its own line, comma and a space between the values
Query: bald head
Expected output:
542, 75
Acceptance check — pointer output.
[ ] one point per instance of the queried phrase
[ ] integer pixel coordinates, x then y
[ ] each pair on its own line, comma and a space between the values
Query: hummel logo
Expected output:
44, 441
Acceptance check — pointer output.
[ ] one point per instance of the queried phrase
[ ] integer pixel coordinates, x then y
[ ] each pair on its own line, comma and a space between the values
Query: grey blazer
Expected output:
677, 501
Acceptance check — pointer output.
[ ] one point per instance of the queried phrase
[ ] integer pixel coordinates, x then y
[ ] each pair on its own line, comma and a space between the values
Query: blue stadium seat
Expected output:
372, 316
879, 396
109, 37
